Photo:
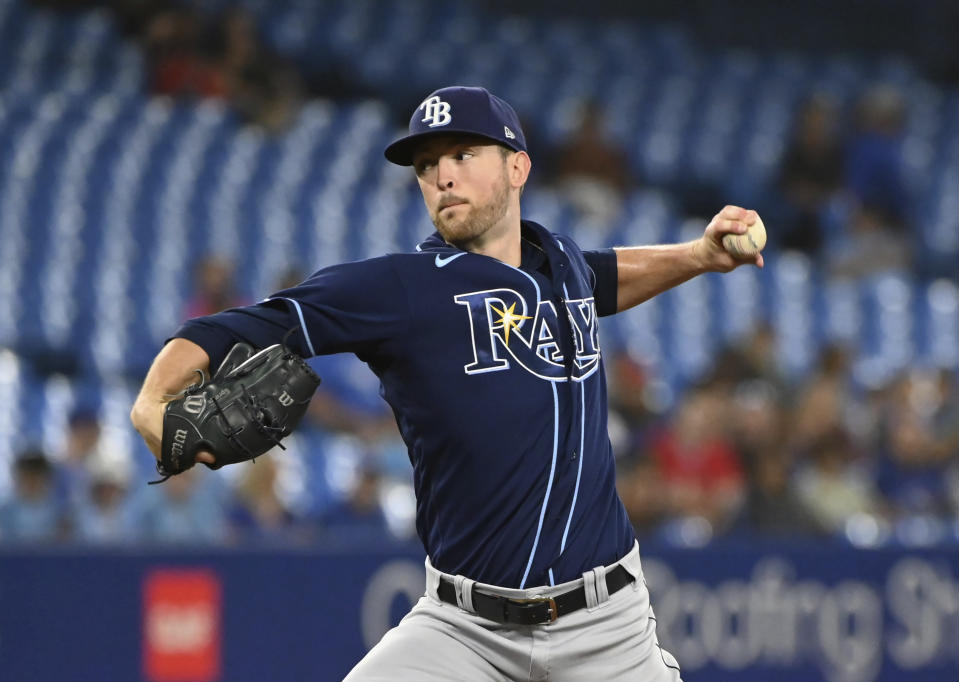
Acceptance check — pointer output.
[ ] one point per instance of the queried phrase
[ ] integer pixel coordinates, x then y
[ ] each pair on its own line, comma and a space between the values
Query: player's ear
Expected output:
519, 165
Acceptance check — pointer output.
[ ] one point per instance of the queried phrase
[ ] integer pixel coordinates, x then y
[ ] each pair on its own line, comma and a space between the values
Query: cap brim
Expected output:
401, 152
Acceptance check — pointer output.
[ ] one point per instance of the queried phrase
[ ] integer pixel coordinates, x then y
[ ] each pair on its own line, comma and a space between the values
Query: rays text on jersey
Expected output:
504, 330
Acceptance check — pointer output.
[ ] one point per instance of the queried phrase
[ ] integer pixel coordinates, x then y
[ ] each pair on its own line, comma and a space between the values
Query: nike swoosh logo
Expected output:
443, 262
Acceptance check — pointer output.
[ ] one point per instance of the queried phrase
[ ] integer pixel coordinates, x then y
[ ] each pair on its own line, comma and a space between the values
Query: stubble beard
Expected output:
478, 221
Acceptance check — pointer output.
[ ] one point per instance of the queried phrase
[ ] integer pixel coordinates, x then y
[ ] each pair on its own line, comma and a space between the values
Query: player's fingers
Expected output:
205, 457
759, 261
726, 226
734, 213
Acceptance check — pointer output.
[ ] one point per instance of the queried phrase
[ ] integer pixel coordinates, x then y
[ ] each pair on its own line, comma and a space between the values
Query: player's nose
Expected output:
445, 173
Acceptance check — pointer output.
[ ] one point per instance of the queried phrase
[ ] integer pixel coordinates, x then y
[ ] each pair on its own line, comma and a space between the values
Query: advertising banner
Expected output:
727, 612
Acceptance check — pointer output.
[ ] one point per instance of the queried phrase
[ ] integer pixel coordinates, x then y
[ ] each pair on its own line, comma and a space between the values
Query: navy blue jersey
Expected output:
496, 379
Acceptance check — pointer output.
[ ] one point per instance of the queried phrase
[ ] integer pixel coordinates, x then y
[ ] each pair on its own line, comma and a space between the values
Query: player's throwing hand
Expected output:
735, 221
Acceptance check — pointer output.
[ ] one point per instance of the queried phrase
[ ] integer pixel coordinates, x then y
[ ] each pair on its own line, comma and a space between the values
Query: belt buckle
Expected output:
550, 603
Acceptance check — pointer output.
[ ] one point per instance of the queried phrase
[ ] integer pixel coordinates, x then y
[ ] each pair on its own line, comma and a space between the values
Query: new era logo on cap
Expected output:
458, 109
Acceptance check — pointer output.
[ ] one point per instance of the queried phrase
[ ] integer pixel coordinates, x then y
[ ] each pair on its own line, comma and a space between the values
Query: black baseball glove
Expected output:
253, 401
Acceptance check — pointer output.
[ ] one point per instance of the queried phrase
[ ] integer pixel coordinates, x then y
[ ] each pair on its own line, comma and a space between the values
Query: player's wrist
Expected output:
699, 259
147, 418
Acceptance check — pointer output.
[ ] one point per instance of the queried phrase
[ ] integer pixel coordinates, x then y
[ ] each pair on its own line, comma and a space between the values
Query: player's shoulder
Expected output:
361, 274
359, 267
431, 252
417, 263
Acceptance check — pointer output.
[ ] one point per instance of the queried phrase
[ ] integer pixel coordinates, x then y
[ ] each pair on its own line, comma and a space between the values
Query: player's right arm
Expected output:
173, 369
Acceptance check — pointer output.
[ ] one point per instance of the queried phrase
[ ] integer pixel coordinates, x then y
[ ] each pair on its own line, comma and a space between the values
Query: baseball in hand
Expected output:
747, 244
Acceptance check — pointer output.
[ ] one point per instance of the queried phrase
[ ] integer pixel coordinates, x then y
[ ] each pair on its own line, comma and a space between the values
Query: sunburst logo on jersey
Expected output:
508, 320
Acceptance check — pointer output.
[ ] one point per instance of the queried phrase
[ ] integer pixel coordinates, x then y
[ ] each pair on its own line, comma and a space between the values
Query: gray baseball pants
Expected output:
613, 638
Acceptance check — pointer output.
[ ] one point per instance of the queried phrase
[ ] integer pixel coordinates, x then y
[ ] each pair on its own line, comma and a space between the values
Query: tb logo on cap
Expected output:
437, 111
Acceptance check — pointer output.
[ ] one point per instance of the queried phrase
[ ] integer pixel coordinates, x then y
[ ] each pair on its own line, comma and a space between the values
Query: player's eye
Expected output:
422, 166
463, 155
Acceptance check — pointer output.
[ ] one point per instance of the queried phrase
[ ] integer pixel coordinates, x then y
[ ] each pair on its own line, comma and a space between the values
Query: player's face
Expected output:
466, 187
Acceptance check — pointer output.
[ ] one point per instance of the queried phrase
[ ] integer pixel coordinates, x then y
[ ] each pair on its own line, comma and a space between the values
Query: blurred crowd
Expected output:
743, 453
746, 451
220, 56
90, 487
841, 194
91, 492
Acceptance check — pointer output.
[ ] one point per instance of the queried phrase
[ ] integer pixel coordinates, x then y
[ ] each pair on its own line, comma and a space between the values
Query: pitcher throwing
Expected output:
485, 341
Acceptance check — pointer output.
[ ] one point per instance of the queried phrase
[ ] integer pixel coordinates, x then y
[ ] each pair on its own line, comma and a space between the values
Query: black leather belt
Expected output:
532, 611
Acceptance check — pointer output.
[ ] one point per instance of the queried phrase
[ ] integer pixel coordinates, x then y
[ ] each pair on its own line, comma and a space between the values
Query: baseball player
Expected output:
485, 341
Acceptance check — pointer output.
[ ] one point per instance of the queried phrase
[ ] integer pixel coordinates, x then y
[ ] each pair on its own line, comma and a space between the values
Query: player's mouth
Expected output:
449, 203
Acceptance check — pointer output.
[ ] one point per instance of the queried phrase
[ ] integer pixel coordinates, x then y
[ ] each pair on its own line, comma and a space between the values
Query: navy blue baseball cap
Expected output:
458, 109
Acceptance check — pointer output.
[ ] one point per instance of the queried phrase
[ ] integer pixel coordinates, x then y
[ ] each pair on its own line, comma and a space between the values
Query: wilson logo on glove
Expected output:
194, 404
251, 403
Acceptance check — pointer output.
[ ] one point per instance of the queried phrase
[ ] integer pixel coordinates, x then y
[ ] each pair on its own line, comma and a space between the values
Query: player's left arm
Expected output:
646, 271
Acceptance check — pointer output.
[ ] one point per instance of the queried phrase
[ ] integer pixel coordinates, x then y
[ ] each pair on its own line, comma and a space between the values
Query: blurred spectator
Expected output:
180, 511
82, 440
178, 64
751, 359
257, 513
193, 55
824, 401
921, 440
701, 472
811, 173
757, 422
833, 483
633, 406
869, 243
593, 173
264, 88
874, 169
214, 287
773, 507
103, 515
643, 492
33, 513
359, 517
